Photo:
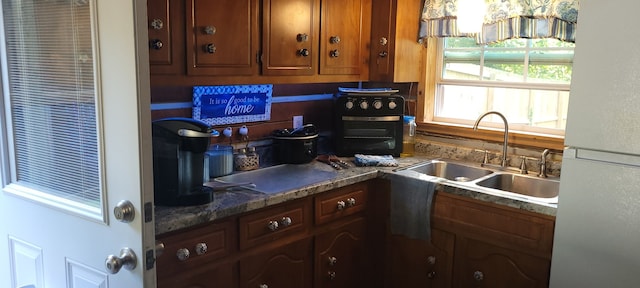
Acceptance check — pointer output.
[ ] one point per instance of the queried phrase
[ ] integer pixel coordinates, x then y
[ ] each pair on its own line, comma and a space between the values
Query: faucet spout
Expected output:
506, 134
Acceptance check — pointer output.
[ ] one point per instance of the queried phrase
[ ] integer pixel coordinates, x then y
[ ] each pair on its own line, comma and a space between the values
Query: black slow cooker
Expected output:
295, 146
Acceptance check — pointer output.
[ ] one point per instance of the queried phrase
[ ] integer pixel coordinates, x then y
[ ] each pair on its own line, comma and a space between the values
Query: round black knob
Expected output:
156, 44
304, 52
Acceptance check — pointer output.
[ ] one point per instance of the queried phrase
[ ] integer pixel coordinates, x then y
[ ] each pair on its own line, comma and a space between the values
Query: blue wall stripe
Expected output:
281, 99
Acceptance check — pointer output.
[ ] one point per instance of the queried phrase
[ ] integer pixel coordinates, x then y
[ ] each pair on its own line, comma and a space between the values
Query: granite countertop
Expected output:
234, 202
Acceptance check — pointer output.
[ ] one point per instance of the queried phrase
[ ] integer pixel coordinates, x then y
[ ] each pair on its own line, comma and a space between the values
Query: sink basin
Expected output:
523, 185
280, 178
450, 171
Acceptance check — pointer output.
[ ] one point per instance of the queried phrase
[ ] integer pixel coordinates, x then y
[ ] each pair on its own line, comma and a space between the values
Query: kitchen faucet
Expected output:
543, 164
506, 134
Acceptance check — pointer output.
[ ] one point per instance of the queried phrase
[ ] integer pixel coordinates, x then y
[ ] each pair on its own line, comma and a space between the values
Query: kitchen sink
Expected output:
523, 185
450, 171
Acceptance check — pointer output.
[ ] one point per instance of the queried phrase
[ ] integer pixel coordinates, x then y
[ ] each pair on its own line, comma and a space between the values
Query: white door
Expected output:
76, 141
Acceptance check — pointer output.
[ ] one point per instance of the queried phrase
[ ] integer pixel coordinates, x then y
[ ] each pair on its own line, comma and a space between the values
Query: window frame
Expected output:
426, 105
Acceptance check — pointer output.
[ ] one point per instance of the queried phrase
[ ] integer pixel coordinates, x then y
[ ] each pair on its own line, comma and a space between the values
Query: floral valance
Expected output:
505, 19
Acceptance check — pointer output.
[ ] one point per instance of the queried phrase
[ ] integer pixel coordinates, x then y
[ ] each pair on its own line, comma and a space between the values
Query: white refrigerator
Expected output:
597, 233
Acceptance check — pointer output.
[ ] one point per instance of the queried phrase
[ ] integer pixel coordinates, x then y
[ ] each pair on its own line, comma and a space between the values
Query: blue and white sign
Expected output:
217, 105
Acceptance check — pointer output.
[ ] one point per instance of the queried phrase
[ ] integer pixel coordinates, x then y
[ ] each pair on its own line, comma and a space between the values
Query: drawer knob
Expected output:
334, 39
341, 205
285, 221
264, 286
478, 275
201, 248
334, 53
332, 260
351, 202
183, 254
332, 275
273, 225
431, 275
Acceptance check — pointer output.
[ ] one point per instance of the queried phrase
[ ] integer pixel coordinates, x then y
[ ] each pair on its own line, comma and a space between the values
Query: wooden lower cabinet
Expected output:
422, 263
474, 244
480, 264
317, 241
340, 256
288, 266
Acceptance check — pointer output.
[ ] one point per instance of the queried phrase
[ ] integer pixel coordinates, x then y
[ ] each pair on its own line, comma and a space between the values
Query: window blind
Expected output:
52, 98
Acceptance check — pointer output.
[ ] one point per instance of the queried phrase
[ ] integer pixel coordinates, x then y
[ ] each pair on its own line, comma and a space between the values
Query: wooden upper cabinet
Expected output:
162, 49
395, 52
290, 37
222, 37
345, 35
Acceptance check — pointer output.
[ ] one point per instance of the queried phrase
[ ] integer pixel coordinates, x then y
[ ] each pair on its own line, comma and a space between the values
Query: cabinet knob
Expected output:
304, 52
209, 30
431, 275
478, 275
332, 260
157, 24
332, 275
263, 286
334, 53
334, 39
156, 44
285, 221
383, 54
341, 205
183, 254
383, 41
273, 225
302, 37
210, 48
201, 248
351, 202
431, 260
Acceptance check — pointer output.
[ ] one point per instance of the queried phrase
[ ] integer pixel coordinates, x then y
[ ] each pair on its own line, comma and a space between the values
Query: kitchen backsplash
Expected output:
473, 151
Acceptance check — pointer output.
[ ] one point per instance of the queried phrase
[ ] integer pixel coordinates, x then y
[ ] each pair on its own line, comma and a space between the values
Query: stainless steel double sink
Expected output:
488, 180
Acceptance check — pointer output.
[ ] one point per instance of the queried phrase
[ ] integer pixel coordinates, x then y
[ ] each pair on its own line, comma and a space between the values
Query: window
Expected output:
527, 80
50, 97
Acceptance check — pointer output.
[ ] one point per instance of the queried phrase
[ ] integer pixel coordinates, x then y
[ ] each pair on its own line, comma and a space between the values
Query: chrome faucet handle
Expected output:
523, 165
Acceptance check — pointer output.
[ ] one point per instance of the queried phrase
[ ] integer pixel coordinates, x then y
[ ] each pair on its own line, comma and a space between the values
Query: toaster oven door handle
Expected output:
371, 118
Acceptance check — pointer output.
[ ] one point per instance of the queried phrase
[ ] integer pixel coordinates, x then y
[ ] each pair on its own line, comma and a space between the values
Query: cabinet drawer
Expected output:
341, 202
275, 223
508, 227
203, 245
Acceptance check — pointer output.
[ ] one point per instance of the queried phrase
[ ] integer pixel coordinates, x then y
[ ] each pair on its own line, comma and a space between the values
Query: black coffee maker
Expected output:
179, 146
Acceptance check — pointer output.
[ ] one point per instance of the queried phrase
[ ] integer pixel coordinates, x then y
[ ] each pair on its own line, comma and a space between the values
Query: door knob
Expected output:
124, 211
127, 259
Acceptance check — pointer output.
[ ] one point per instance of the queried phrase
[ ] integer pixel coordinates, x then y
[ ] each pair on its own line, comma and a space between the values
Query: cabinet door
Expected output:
479, 264
222, 37
288, 266
340, 256
421, 263
395, 52
162, 58
345, 34
210, 276
290, 37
